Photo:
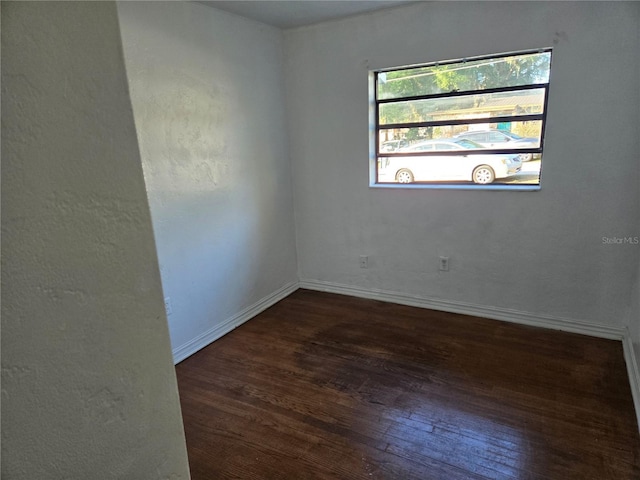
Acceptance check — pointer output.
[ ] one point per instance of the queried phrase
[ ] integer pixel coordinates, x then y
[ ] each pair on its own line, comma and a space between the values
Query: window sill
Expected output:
422, 186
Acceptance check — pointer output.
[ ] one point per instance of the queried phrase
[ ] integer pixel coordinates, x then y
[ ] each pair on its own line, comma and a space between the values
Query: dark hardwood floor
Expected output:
324, 386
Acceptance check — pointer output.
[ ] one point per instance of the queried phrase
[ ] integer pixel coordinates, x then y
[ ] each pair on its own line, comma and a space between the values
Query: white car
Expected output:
501, 139
393, 145
481, 169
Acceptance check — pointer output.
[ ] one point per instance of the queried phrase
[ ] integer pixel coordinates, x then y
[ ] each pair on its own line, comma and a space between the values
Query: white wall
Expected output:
632, 344
88, 385
633, 357
634, 319
635, 312
208, 99
535, 252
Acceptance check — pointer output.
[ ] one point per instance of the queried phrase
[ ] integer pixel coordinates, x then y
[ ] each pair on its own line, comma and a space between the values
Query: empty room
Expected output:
331, 240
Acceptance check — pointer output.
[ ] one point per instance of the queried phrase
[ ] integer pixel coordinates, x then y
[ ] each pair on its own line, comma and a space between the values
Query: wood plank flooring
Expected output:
324, 386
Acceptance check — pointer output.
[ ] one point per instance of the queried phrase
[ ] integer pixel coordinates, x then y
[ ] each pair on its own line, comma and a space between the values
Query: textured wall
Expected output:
634, 332
634, 319
537, 252
208, 100
88, 387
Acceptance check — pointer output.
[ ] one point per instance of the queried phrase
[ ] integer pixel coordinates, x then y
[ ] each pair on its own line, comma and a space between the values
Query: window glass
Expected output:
497, 104
493, 109
482, 74
392, 139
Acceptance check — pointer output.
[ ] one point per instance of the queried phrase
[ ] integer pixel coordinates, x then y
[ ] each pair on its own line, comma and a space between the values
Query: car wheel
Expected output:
526, 157
483, 175
404, 176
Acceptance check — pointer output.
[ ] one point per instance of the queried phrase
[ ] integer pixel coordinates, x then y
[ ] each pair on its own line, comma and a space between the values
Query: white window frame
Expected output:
375, 127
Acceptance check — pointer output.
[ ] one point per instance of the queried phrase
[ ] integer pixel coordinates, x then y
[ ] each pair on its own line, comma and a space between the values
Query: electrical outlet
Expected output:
444, 264
364, 261
167, 305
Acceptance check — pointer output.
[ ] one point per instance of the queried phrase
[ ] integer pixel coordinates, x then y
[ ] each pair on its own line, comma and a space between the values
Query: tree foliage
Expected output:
472, 76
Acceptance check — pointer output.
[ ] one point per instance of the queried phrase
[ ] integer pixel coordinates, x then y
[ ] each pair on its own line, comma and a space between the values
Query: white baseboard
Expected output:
634, 373
495, 313
214, 333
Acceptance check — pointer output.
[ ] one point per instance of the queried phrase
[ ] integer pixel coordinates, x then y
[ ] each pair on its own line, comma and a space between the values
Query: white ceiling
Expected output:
297, 13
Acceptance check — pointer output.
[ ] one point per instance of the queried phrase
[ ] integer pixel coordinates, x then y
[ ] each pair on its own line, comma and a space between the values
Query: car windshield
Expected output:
463, 142
512, 135
417, 147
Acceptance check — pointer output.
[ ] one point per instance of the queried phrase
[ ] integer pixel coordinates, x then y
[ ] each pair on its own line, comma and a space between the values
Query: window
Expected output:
473, 123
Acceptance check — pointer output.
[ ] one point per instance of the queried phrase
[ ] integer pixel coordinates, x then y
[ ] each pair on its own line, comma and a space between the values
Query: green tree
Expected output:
476, 75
